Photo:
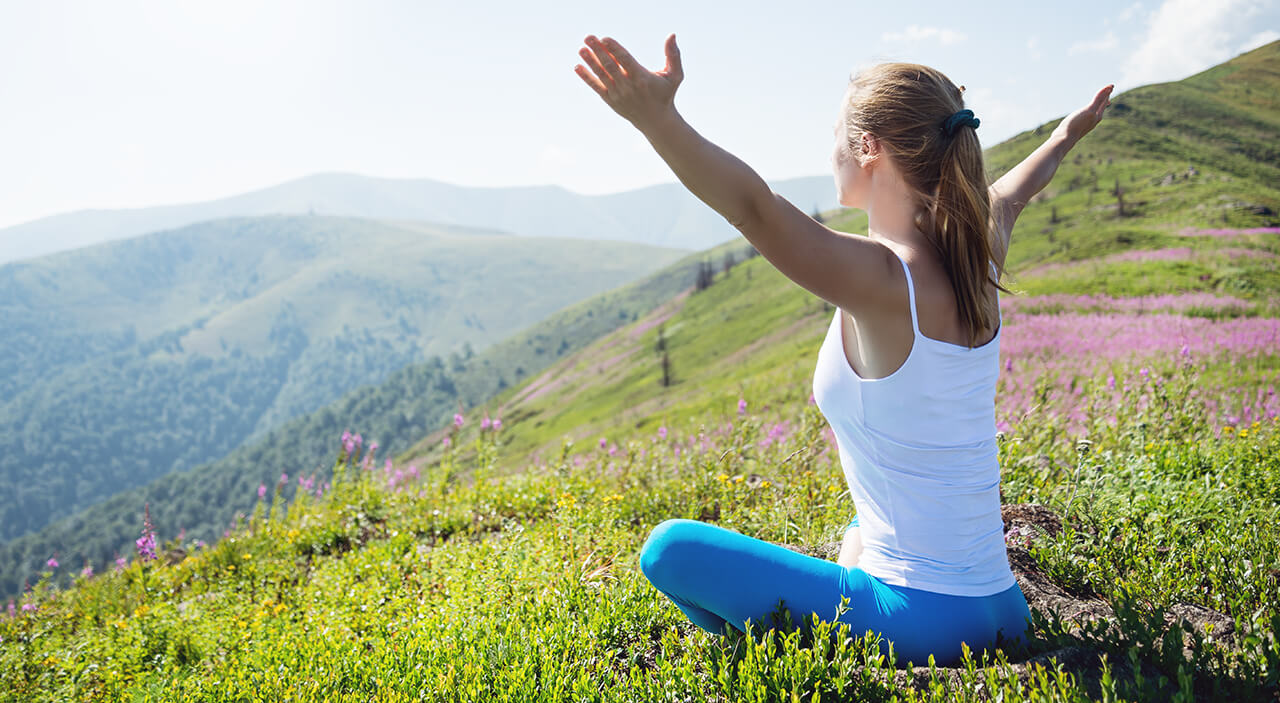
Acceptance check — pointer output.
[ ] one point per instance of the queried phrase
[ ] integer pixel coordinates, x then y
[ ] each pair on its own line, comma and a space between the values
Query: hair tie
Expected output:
963, 117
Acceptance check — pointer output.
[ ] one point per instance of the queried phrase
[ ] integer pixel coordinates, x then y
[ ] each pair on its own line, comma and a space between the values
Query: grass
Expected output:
464, 585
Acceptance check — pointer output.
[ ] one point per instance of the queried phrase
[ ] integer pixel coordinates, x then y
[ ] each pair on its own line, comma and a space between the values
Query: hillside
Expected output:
126, 361
663, 215
399, 410
1137, 407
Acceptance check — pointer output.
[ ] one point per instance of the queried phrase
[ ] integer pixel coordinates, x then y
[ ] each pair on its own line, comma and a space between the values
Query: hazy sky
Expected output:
127, 104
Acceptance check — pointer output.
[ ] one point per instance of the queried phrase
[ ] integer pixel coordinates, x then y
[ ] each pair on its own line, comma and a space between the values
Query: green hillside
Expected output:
410, 403
129, 360
1137, 402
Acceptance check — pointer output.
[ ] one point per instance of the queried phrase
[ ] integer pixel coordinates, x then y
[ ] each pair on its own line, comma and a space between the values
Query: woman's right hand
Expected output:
1080, 122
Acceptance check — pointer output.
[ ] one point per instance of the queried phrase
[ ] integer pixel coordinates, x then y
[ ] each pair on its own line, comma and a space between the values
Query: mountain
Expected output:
407, 405
1211, 229
663, 215
127, 360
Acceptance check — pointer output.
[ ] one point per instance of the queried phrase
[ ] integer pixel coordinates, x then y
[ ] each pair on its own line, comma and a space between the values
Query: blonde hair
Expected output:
904, 106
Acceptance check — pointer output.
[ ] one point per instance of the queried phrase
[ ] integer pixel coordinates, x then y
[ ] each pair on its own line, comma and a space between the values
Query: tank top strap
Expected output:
911, 294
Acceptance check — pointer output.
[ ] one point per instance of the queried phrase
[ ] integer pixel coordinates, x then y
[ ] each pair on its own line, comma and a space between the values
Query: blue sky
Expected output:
129, 104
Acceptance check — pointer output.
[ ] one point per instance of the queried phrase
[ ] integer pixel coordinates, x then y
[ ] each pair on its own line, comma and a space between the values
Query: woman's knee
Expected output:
666, 546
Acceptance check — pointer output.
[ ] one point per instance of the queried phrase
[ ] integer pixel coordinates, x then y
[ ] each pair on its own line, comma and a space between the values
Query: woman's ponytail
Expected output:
918, 113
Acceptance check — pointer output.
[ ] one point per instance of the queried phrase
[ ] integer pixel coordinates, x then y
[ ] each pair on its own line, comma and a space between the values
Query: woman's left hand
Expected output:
642, 96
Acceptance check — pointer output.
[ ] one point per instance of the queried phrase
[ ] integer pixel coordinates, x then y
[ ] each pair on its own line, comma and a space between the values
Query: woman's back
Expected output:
919, 453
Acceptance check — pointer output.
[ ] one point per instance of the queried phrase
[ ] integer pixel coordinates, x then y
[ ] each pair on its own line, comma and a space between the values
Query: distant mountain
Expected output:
664, 215
403, 408
1175, 167
122, 362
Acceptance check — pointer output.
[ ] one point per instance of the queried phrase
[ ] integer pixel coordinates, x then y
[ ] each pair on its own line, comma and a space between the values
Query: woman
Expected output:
906, 375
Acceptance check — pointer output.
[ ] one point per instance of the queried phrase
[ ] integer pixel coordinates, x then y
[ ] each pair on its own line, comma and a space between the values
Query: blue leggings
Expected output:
718, 576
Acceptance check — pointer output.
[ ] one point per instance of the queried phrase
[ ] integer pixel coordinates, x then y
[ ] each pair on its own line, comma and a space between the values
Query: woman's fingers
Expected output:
593, 62
629, 64
606, 60
590, 80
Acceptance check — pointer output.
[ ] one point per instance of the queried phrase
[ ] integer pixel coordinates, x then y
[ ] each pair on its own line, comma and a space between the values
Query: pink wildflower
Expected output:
457, 419
742, 406
52, 563
603, 442
662, 432
262, 490
484, 423
445, 441
497, 424
87, 571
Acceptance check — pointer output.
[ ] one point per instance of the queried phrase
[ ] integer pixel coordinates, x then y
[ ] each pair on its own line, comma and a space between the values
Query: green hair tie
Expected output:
962, 117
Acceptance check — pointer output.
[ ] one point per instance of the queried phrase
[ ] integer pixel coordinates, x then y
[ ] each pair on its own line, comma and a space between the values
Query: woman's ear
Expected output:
869, 149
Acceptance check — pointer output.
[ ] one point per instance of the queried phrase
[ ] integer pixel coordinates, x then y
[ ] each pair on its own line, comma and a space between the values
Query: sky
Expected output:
130, 104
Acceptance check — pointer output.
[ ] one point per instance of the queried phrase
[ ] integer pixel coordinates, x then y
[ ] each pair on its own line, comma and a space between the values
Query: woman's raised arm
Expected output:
1012, 191
846, 270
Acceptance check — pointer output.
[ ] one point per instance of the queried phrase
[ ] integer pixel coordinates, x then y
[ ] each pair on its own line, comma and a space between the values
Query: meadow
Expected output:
1156, 440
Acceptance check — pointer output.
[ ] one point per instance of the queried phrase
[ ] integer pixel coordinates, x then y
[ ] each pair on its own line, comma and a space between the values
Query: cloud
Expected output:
1033, 48
1266, 36
1106, 42
916, 33
1129, 12
1184, 37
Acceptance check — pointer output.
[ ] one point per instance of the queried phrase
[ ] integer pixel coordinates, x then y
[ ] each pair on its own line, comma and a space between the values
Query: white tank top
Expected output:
918, 449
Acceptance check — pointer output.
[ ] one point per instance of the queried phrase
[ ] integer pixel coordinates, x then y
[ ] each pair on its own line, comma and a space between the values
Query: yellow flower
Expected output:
765, 484
723, 477
612, 498
738, 479
1150, 446
566, 500
245, 556
1255, 424
292, 534
231, 567
1228, 429
1244, 433
141, 610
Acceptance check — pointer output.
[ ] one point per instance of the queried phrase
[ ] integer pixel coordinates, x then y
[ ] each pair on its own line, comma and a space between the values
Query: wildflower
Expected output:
27, 607
1186, 350
738, 479
613, 449
445, 442
358, 439
346, 436
1228, 429
262, 490
52, 563
120, 563
723, 478
603, 442
146, 544
811, 400
457, 419
742, 406
1111, 382
497, 424
1243, 433
765, 484
662, 432
1143, 372
373, 447
284, 478
12, 610
485, 422
1008, 364
87, 571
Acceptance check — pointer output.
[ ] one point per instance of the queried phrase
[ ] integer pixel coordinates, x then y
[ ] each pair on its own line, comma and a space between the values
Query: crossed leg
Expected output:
720, 577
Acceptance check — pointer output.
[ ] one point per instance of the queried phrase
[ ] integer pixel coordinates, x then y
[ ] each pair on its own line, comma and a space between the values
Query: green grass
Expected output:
470, 586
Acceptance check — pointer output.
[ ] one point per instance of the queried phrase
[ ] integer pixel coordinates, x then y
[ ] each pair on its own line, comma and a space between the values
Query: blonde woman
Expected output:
906, 374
